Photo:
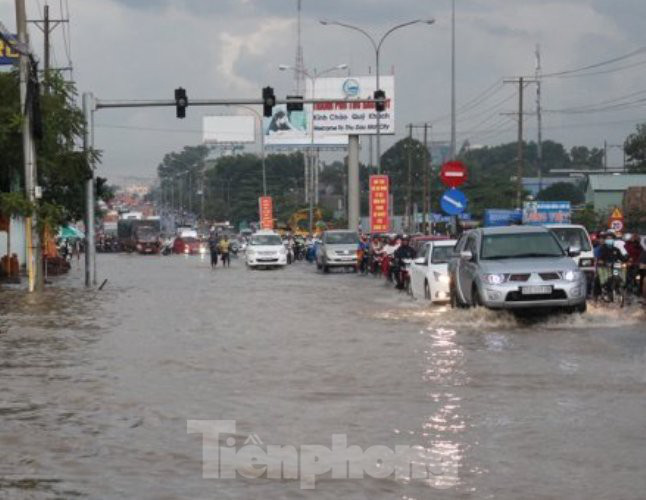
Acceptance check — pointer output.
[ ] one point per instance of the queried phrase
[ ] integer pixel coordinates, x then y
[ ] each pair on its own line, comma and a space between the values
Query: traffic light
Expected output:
268, 101
380, 97
294, 106
181, 102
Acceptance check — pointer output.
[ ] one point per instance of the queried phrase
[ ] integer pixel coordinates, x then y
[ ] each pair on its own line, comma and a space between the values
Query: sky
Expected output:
143, 49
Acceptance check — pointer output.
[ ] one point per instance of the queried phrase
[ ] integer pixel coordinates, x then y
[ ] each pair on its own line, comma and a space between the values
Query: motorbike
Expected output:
614, 289
404, 274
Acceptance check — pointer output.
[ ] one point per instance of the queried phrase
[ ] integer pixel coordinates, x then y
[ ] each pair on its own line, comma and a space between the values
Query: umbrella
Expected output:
70, 232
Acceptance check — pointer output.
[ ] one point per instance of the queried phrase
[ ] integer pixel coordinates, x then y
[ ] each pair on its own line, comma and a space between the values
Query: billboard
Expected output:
537, 213
266, 209
379, 189
341, 116
228, 129
334, 120
288, 128
7, 54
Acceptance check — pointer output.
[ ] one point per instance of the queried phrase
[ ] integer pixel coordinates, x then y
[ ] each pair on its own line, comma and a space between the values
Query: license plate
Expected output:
536, 290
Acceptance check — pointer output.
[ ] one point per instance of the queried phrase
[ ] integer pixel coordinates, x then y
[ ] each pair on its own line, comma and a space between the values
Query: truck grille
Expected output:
549, 276
518, 297
519, 277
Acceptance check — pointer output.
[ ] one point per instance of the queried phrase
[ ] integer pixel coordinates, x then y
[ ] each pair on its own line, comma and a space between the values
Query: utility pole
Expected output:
539, 118
89, 107
34, 254
521, 81
519, 173
453, 112
409, 188
605, 156
426, 205
353, 183
47, 25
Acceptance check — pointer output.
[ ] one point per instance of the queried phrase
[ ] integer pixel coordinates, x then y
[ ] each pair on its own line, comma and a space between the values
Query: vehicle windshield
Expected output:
146, 233
441, 255
341, 238
520, 245
266, 239
572, 237
189, 240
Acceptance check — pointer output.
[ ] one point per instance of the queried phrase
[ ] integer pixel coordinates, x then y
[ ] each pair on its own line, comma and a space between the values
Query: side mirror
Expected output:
466, 255
420, 261
574, 251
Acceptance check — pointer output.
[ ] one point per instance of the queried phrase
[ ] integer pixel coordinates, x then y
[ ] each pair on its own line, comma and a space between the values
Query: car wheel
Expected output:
475, 297
427, 291
453, 294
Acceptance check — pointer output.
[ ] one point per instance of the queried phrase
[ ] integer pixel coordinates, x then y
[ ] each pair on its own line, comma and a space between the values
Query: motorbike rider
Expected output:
609, 254
634, 250
403, 252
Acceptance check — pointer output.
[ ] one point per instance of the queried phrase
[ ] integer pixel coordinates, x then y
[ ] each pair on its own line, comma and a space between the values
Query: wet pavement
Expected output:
97, 387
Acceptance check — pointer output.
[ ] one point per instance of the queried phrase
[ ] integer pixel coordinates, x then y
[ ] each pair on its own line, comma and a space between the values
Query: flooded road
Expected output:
98, 388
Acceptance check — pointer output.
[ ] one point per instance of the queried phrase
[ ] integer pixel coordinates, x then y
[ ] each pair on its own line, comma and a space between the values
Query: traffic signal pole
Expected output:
91, 105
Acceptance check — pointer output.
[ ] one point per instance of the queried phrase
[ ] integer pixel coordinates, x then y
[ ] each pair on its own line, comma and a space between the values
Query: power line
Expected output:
635, 52
607, 71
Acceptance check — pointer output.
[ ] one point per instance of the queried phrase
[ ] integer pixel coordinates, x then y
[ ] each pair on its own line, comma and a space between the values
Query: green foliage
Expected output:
583, 157
589, 218
562, 191
50, 216
395, 163
15, 205
62, 169
635, 149
232, 184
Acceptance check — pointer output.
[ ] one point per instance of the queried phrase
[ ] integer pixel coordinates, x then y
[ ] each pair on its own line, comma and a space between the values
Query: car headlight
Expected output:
494, 279
442, 278
571, 275
586, 262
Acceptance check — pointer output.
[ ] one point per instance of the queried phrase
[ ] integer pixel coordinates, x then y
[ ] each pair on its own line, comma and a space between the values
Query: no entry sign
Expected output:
453, 174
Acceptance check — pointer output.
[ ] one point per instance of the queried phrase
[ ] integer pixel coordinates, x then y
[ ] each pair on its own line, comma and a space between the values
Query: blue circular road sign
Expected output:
453, 202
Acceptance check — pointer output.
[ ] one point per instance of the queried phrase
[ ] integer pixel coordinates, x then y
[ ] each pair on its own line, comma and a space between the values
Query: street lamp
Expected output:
377, 46
312, 76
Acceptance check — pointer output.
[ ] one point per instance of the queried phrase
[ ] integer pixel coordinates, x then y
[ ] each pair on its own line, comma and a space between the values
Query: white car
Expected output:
576, 236
266, 249
429, 277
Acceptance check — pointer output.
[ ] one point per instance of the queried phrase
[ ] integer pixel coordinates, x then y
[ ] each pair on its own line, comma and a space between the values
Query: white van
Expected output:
573, 235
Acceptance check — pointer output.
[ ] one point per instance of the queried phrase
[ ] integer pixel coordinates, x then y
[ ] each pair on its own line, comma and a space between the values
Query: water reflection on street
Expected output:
97, 387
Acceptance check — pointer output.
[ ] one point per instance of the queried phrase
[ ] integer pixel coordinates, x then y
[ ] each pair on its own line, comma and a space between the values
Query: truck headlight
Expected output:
571, 275
442, 278
494, 279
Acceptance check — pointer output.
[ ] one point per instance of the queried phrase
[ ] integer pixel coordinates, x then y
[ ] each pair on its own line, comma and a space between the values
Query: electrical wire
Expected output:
474, 102
607, 71
635, 52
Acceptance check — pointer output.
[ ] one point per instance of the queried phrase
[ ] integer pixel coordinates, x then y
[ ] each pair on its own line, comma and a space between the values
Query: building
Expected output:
604, 192
535, 184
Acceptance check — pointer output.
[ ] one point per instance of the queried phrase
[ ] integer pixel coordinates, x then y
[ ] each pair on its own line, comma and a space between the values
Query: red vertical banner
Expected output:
379, 196
266, 209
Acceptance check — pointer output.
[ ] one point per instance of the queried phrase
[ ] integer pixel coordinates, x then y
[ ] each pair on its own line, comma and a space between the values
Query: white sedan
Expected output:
429, 277
266, 249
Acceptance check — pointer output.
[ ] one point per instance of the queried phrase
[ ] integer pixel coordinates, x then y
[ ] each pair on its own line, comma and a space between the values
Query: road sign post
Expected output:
453, 174
616, 221
453, 202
